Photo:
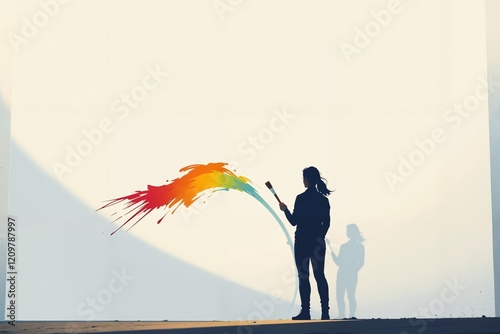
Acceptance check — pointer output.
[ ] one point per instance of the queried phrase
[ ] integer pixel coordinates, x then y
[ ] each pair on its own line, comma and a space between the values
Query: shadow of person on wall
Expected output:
350, 259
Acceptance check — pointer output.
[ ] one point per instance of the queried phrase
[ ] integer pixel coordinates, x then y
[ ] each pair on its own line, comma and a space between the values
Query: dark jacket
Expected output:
311, 215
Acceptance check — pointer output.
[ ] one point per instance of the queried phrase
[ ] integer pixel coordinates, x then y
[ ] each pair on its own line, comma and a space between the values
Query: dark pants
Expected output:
311, 251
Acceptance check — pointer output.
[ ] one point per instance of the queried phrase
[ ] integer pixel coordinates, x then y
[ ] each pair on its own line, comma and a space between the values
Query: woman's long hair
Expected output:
313, 176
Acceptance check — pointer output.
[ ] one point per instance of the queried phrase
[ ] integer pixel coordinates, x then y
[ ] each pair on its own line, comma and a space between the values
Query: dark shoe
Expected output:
325, 315
303, 315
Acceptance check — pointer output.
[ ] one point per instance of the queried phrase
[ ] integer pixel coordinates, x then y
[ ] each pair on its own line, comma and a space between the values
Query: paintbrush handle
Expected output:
269, 185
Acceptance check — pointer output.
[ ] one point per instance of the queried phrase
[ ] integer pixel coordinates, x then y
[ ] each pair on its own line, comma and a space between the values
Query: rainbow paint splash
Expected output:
185, 190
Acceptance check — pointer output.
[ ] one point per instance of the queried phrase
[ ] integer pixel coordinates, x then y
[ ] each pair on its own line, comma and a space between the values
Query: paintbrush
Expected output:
269, 185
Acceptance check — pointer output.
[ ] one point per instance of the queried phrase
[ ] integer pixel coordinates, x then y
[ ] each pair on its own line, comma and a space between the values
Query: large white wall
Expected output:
387, 98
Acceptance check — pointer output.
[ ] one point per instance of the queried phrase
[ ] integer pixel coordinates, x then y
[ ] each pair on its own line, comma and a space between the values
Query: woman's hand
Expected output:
283, 206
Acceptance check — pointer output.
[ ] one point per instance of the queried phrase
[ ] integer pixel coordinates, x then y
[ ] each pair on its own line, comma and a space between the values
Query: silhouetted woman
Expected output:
311, 215
350, 260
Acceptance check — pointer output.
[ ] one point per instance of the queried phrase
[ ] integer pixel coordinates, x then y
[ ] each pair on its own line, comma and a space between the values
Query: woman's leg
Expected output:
318, 264
302, 263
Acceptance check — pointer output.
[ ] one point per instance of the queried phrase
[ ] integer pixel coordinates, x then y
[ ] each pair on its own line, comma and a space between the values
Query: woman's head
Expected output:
353, 233
313, 178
